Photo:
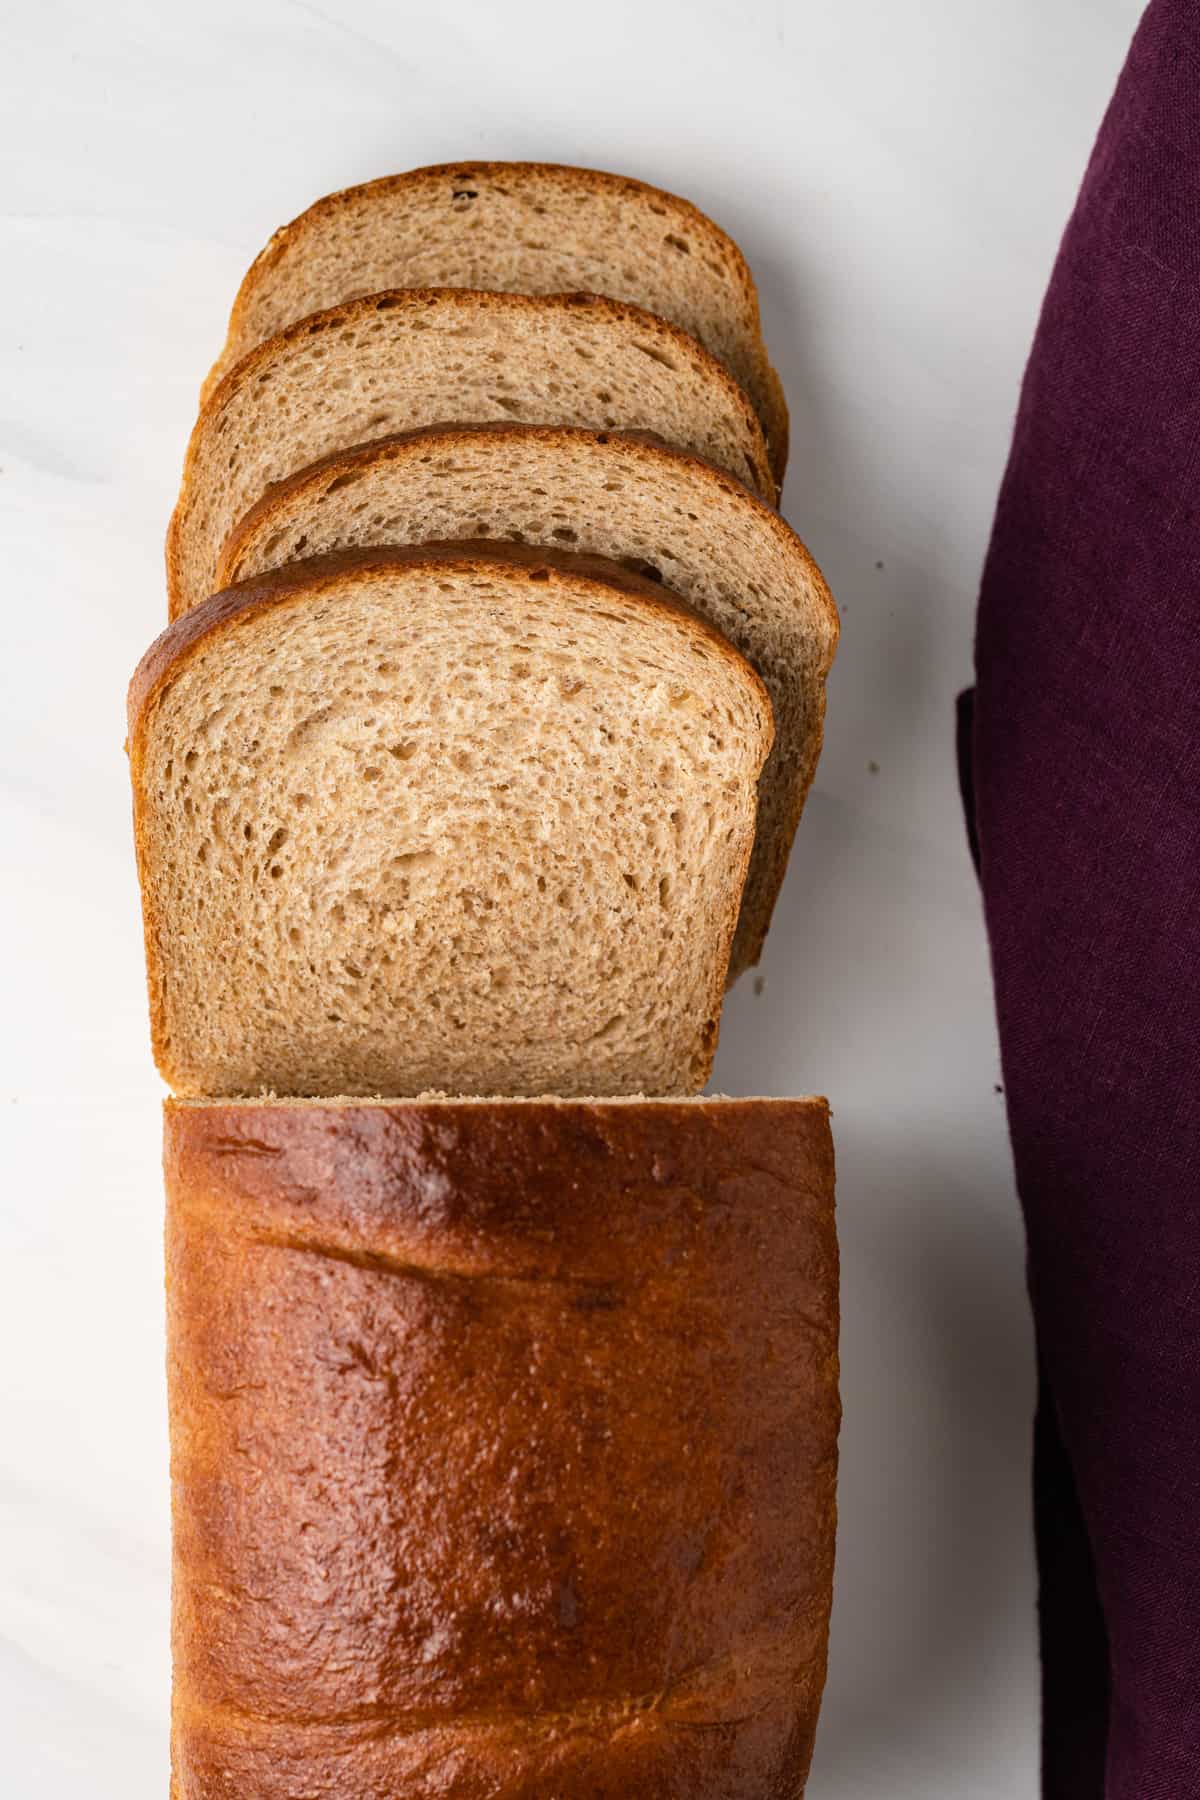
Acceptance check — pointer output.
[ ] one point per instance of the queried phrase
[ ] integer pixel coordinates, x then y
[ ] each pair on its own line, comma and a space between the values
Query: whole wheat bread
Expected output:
651, 508
532, 228
474, 818
503, 1447
399, 360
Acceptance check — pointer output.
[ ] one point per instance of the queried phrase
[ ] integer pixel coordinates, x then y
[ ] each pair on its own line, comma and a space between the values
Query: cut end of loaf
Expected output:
472, 820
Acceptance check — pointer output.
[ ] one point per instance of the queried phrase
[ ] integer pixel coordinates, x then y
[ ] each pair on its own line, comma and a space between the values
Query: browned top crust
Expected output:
503, 1446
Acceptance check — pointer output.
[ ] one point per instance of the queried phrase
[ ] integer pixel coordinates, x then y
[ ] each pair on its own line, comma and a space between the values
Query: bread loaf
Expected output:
661, 511
394, 361
503, 1445
529, 228
474, 818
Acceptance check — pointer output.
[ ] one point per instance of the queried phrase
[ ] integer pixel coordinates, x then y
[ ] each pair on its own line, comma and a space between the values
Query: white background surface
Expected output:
898, 173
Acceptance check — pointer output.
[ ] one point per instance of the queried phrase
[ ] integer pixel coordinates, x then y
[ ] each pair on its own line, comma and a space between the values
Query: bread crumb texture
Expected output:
472, 828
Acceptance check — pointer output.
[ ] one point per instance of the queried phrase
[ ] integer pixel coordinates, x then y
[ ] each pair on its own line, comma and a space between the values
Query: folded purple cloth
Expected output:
1086, 776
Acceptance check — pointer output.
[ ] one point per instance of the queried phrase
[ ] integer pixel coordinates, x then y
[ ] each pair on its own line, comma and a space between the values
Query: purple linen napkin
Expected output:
1085, 768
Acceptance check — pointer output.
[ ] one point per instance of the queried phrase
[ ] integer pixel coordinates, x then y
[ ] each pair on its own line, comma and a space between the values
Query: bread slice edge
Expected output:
771, 403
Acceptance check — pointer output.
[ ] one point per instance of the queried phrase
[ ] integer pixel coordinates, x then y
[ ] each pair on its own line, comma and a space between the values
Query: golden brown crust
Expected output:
770, 400
503, 1447
641, 452
777, 423
298, 583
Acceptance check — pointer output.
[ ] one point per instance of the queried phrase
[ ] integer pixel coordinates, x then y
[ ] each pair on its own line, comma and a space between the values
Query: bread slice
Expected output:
395, 361
471, 817
530, 228
503, 1447
657, 510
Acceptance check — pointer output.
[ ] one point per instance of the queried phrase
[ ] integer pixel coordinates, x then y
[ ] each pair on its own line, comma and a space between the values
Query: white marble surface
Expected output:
898, 172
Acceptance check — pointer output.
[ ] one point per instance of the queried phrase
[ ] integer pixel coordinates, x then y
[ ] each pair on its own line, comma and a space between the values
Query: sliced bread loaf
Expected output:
394, 361
503, 1447
531, 228
657, 510
473, 818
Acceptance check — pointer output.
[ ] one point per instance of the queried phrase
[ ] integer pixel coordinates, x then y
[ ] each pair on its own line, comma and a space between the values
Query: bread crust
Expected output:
637, 456
503, 1446
299, 583
705, 366
768, 396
